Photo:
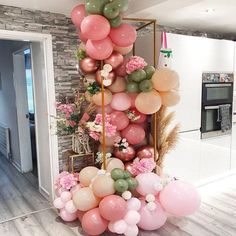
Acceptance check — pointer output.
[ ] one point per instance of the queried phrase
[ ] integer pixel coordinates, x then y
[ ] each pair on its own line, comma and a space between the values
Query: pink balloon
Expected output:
70, 207
93, 223
95, 27
121, 70
132, 217
134, 134
120, 227
58, 203
121, 101
133, 97
134, 204
82, 37
108, 109
66, 216
113, 208
180, 198
131, 231
142, 117
119, 119
78, 14
100, 49
66, 196
149, 183
124, 35
152, 220
80, 215
59, 191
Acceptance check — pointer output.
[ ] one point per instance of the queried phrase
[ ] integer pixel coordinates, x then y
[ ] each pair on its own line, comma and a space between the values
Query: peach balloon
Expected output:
148, 102
118, 86
113, 163
87, 174
170, 98
109, 140
123, 50
165, 79
97, 98
103, 186
84, 199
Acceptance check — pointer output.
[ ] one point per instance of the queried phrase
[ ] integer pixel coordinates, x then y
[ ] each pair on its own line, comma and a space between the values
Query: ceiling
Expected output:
191, 14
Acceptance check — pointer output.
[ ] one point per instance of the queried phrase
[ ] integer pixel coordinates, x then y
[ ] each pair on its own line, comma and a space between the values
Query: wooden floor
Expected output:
24, 212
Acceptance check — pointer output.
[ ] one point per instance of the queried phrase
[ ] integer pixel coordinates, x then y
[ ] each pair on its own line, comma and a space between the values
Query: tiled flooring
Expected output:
24, 212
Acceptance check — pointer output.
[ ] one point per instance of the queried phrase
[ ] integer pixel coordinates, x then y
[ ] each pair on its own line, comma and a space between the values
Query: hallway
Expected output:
24, 212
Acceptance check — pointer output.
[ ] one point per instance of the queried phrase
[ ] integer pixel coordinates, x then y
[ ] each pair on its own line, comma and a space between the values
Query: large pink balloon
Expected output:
121, 70
124, 35
78, 14
152, 220
66, 216
134, 134
82, 37
121, 101
100, 49
95, 27
93, 223
180, 198
119, 119
149, 183
113, 208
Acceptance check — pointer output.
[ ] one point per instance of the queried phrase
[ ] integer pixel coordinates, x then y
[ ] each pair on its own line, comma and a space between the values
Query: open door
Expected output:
19, 76
42, 118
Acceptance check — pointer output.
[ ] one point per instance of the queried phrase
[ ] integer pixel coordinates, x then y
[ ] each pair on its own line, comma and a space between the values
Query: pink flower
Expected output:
110, 129
145, 165
94, 135
72, 123
98, 119
135, 63
68, 181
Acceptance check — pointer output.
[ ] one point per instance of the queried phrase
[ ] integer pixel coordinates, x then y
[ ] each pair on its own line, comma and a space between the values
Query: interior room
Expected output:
117, 117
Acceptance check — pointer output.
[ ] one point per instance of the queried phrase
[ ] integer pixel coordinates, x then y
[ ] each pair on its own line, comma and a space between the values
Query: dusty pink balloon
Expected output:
126, 154
121, 102
82, 37
133, 97
78, 14
134, 134
145, 152
119, 119
121, 70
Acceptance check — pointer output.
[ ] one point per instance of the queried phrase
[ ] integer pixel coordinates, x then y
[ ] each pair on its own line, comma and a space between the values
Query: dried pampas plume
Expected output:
166, 137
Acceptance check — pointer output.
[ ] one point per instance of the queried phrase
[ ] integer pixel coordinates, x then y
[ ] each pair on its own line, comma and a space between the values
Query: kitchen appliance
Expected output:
217, 104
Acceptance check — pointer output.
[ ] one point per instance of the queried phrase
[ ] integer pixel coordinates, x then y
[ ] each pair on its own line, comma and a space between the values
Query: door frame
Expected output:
46, 39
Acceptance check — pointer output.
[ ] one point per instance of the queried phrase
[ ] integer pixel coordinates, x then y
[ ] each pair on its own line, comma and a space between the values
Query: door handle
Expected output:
27, 116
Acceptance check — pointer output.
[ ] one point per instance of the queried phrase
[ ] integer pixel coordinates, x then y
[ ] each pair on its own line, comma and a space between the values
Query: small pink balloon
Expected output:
59, 191
66, 196
78, 14
58, 203
70, 207
93, 223
108, 109
133, 98
100, 49
149, 183
134, 134
111, 227
120, 227
131, 230
151, 220
124, 35
82, 37
132, 217
121, 70
66, 216
121, 102
113, 208
119, 119
95, 27
134, 204
186, 198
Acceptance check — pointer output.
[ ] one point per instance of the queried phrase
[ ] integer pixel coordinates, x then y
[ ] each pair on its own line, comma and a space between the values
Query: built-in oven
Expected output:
217, 100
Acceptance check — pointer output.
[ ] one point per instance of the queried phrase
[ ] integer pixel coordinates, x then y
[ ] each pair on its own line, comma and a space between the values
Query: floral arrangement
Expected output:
135, 63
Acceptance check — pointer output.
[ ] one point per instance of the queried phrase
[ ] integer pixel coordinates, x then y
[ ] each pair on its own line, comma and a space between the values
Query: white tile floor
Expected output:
196, 160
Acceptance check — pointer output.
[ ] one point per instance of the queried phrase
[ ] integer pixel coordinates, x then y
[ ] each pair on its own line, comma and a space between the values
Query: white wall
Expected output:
8, 113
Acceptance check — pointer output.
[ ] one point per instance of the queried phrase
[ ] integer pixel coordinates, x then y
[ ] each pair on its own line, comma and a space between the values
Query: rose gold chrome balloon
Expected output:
115, 60
88, 65
126, 154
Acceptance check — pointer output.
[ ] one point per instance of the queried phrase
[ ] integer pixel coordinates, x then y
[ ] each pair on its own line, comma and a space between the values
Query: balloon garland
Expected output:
125, 194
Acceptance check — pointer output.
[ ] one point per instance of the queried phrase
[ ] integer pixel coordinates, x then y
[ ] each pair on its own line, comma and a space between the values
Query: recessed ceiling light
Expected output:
210, 10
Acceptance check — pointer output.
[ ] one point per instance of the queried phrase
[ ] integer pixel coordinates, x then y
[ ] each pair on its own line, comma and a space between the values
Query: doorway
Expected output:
34, 106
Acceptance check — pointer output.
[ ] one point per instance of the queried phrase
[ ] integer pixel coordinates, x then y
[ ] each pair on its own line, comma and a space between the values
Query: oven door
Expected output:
211, 124
217, 93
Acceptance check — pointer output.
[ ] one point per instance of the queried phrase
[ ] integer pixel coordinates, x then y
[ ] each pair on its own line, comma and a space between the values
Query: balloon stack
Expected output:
124, 195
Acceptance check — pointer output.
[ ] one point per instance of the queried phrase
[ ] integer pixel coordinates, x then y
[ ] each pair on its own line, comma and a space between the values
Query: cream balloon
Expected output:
87, 174
148, 102
170, 98
119, 85
113, 163
165, 79
123, 50
103, 186
84, 199
97, 98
